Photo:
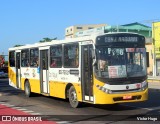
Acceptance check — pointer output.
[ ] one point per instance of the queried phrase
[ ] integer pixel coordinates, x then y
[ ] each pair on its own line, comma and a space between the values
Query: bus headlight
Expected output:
105, 90
144, 85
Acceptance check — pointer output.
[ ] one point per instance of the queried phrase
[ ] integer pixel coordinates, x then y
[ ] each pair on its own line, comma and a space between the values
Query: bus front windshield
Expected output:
120, 62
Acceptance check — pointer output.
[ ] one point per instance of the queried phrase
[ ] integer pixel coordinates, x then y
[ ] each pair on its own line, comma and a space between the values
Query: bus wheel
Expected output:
73, 97
27, 89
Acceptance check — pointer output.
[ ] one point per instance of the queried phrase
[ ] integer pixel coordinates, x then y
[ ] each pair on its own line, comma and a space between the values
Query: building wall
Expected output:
149, 49
99, 30
156, 39
72, 30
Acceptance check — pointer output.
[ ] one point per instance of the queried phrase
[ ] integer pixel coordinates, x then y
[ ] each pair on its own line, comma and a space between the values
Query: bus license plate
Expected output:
127, 97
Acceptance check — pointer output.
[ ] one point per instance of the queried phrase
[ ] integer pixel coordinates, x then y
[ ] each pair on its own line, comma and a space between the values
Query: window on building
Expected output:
34, 57
56, 56
79, 27
25, 58
12, 59
71, 53
90, 27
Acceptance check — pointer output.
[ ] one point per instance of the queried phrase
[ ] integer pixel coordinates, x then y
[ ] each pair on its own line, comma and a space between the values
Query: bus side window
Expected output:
34, 56
56, 56
12, 58
12, 62
53, 63
71, 55
25, 58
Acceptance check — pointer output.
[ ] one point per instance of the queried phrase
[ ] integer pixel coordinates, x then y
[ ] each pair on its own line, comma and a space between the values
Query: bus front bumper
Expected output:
104, 98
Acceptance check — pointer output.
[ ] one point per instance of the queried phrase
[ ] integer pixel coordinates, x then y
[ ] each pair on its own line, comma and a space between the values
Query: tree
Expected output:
6, 63
54, 38
46, 39
18, 45
2, 60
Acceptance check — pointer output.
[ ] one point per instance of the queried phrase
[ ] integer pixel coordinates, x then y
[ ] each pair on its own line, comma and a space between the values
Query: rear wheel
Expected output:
27, 89
73, 97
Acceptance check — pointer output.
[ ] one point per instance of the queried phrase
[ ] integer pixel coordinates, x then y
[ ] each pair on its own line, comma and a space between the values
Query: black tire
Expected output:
27, 89
73, 98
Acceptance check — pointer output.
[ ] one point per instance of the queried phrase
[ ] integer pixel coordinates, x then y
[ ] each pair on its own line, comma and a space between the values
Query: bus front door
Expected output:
87, 73
18, 73
44, 71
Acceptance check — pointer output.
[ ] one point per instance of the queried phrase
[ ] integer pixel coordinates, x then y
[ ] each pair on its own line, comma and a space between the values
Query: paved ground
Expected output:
7, 115
154, 85
135, 108
154, 82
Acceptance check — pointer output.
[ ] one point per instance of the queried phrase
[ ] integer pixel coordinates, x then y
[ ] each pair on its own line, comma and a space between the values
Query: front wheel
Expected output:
27, 89
73, 97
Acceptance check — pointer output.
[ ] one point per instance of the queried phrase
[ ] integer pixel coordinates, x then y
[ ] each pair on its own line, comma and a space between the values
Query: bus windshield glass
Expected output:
120, 62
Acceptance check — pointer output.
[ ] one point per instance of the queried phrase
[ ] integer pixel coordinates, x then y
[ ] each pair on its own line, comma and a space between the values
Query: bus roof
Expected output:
53, 42
67, 40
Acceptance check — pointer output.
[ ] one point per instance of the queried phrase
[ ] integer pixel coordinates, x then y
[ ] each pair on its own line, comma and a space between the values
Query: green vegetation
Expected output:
47, 39
18, 45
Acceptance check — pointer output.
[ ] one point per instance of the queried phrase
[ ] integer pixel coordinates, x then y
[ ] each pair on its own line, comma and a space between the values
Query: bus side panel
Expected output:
12, 76
78, 91
22, 83
59, 79
57, 89
105, 98
34, 83
32, 75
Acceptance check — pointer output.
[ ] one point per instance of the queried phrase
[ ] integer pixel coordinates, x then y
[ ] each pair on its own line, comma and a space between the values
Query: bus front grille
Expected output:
125, 91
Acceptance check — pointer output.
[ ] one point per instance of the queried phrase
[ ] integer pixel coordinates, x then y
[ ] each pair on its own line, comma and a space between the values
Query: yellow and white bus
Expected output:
98, 69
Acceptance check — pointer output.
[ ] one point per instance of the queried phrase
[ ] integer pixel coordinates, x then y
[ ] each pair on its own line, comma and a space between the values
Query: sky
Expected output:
29, 21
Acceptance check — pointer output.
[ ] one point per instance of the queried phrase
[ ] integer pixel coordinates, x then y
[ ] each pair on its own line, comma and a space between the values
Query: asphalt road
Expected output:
60, 111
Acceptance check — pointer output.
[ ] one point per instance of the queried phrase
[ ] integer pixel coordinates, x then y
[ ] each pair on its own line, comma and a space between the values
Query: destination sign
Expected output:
120, 38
